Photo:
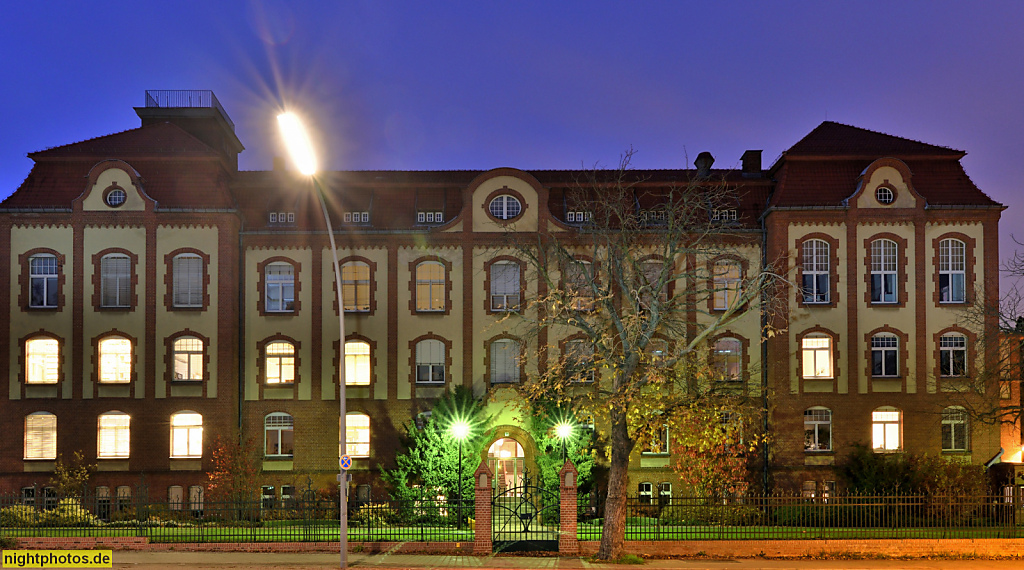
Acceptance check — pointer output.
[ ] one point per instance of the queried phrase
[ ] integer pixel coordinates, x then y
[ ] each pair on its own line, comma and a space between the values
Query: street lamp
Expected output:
460, 429
301, 151
564, 431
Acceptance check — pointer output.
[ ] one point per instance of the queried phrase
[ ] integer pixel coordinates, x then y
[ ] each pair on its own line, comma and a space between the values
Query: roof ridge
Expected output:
139, 129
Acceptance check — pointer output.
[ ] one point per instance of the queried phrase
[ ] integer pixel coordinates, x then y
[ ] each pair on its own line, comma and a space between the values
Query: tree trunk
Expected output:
613, 533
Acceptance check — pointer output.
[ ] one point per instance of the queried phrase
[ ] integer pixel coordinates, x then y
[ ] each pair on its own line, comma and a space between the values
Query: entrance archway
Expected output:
506, 459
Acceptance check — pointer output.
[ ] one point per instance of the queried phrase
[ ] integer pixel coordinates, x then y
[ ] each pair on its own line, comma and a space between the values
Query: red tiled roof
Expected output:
155, 139
836, 139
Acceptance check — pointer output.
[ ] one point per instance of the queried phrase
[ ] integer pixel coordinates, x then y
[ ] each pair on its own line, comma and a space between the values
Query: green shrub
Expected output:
69, 512
19, 516
373, 514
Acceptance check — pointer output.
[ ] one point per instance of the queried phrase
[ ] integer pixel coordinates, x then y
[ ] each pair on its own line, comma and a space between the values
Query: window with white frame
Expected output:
430, 361
188, 358
885, 349
579, 360
356, 217
430, 217
727, 278
664, 493
659, 442
952, 271
186, 435
355, 286
579, 279
728, 359
357, 363
883, 271
814, 269
357, 434
955, 429
817, 429
115, 365
504, 361
188, 280
886, 429
644, 492
430, 286
279, 362
278, 435
42, 360
42, 275
41, 436
115, 280
279, 285
175, 497
816, 356
504, 286
724, 215
953, 355
113, 435
505, 207
578, 217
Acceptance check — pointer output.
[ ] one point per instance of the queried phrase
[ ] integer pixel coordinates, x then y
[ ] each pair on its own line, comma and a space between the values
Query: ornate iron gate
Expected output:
525, 517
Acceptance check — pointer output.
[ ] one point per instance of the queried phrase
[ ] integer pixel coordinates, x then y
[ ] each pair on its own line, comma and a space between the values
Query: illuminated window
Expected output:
42, 360
430, 286
505, 207
818, 429
726, 284
885, 355
728, 358
41, 436
815, 271
279, 360
357, 363
816, 356
952, 266
355, 286
279, 440
430, 362
504, 361
186, 435
953, 355
955, 429
115, 281
357, 435
883, 271
504, 286
188, 358
114, 435
42, 271
280, 287
886, 427
115, 360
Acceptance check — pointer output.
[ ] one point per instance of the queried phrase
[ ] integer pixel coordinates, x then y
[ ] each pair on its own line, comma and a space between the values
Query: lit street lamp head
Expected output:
460, 429
563, 430
298, 143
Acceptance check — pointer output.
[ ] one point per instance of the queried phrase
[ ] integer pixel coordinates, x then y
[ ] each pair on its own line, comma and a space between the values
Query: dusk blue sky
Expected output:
532, 85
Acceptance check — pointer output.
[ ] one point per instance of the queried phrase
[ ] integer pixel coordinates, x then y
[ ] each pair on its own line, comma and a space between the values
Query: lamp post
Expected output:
301, 150
564, 431
460, 429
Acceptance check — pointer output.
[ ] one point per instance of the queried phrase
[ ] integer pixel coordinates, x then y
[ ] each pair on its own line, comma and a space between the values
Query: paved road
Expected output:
262, 561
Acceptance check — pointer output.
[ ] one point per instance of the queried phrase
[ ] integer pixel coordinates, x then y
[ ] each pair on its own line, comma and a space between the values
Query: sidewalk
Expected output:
255, 560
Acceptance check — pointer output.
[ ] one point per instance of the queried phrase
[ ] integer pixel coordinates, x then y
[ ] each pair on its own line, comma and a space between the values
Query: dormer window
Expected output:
356, 217
578, 217
115, 197
654, 217
724, 215
282, 217
430, 217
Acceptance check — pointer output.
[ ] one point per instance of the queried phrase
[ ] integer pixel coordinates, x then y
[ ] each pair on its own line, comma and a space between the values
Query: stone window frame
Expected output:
261, 298
487, 283
903, 352
817, 330
902, 263
448, 360
25, 281
97, 280
336, 345
372, 265
96, 358
447, 265
169, 358
487, 359
711, 263
833, 273
202, 425
887, 408
970, 245
99, 435
23, 358
501, 192
169, 279
261, 361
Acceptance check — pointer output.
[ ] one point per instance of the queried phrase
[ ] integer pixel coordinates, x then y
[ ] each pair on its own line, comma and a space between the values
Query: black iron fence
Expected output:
811, 517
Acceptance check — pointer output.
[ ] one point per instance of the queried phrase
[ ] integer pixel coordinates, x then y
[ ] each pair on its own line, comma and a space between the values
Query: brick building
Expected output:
159, 298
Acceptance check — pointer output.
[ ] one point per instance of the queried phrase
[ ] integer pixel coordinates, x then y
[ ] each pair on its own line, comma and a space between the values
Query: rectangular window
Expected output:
280, 287
188, 281
953, 355
579, 280
357, 435
115, 281
883, 271
114, 436
357, 363
188, 358
659, 443
504, 361
815, 270
952, 271
885, 430
884, 356
504, 286
816, 357
40, 436
186, 435
954, 429
430, 361
644, 492
43, 282
817, 429
355, 286
726, 284
279, 438
579, 361
430, 286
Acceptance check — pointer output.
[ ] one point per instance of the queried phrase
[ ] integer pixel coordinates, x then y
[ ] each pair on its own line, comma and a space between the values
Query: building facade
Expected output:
159, 299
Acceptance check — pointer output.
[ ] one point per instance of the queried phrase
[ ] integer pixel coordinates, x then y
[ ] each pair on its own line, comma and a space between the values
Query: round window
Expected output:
884, 195
505, 207
116, 197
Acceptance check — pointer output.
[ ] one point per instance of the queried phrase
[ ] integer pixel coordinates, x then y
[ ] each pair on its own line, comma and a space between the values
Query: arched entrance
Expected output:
507, 460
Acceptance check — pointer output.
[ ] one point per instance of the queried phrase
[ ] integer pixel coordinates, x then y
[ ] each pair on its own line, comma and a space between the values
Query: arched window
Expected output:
430, 362
113, 435
504, 280
115, 280
279, 440
815, 268
887, 429
186, 435
816, 356
505, 207
817, 429
42, 274
430, 286
953, 355
42, 360
41, 436
505, 359
727, 277
279, 285
115, 362
956, 433
279, 361
188, 358
883, 271
357, 434
188, 280
357, 363
885, 349
728, 359
952, 271
355, 286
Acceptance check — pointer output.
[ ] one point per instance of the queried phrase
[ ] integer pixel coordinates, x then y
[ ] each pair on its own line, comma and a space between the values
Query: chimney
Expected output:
703, 164
278, 164
751, 164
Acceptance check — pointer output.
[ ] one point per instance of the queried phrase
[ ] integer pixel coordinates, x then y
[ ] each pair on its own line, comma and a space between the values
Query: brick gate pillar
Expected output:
568, 542
482, 538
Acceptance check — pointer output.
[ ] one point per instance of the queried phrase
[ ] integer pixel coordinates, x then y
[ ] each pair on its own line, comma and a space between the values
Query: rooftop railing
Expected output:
186, 99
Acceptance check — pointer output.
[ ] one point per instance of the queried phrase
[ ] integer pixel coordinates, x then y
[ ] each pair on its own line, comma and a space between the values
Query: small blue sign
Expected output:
346, 462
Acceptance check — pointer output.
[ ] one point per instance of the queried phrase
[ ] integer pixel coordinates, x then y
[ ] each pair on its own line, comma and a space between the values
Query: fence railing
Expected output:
186, 99
802, 517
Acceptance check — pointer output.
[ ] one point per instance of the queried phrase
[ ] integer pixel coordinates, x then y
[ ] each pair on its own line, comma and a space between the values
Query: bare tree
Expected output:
632, 297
